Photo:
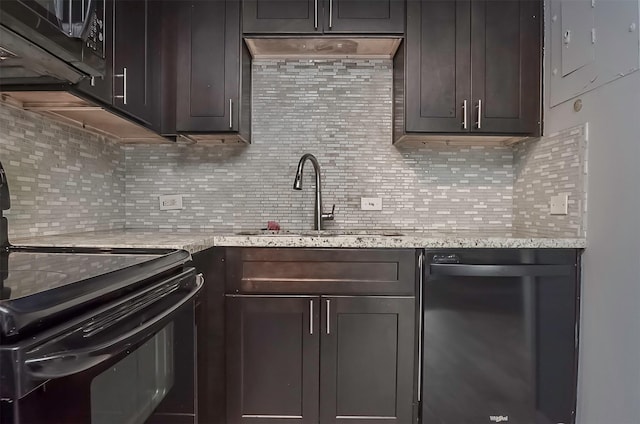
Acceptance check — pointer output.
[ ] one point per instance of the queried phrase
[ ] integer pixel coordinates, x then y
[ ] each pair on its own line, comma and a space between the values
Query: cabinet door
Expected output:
131, 68
208, 68
367, 360
211, 342
281, 16
438, 74
505, 44
273, 346
364, 16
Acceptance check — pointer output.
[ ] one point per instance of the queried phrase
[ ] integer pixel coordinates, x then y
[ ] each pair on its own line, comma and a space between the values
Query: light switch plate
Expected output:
559, 205
170, 202
371, 203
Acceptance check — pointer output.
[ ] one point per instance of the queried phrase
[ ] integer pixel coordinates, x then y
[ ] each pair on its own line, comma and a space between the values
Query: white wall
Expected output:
609, 371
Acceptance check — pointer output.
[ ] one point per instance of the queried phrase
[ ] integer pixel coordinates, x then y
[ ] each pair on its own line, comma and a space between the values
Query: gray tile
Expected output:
545, 167
62, 179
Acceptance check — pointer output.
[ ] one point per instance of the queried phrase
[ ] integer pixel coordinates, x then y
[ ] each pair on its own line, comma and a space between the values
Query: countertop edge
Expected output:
402, 242
194, 244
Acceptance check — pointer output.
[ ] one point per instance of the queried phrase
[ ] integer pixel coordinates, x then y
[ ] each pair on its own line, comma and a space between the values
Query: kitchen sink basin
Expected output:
323, 233
267, 233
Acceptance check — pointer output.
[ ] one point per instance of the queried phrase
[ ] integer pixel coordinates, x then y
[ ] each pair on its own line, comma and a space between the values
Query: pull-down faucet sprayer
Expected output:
318, 215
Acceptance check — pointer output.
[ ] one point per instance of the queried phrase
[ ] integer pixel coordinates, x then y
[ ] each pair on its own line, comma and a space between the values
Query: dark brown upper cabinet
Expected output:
213, 71
132, 52
364, 16
323, 16
134, 43
282, 16
469, 68
506, 66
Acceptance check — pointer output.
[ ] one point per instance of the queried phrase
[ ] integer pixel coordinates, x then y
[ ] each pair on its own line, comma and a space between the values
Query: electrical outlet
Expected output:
170, 202
559, 205
371, 203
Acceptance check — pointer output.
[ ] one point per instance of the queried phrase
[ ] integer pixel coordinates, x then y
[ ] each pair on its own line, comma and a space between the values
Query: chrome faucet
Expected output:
318, 215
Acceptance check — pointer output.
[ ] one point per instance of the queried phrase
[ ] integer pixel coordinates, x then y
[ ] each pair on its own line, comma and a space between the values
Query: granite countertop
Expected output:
195, 241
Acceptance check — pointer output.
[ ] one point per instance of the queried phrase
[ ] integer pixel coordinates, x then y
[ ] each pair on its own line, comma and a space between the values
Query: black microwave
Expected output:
72, 31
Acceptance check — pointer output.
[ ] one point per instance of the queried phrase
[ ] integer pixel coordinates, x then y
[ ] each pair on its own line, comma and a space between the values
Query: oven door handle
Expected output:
67, 363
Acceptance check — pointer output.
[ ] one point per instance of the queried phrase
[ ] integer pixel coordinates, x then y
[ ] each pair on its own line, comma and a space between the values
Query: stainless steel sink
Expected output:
267, 233
322, 233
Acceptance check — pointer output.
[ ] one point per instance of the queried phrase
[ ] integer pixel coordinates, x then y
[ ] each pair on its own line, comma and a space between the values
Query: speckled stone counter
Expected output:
195, 241
191, 241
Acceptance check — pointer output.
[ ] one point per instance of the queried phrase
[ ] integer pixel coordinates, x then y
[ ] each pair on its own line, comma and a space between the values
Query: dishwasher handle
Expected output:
466, 270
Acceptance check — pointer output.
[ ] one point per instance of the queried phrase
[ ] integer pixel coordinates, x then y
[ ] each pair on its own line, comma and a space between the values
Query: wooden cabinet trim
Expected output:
321, 271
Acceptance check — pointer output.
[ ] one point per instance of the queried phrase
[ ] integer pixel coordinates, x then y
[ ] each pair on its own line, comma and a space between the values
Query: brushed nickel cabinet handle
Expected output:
330, 14
479, 122
315, 14
230, 113
311, 317
328, 316
420, 323
123, 75
464, 115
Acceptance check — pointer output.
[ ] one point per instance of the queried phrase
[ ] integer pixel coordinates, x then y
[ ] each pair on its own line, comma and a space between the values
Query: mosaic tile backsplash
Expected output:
64, 180
340, 111
552, 165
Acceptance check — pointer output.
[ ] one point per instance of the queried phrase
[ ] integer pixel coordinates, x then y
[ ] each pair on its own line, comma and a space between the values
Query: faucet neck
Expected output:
317, 215
312, 159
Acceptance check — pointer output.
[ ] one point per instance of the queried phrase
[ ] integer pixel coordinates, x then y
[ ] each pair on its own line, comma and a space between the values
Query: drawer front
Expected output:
328, 271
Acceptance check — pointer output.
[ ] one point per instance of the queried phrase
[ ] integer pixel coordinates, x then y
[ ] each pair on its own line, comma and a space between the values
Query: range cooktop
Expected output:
28, 273
39, 284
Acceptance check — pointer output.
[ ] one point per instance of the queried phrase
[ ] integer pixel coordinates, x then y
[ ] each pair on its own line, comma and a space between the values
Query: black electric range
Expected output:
40, 287
83, 331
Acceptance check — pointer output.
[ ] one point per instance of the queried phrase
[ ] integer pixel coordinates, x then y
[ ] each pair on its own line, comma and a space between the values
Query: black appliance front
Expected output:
499, 336
71, 30
129, 361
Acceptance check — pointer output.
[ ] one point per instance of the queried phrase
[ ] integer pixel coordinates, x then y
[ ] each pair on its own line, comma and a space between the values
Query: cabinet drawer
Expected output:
296, 270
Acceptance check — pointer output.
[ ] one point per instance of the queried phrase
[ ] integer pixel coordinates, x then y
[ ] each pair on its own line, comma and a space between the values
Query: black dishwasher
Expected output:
499, 336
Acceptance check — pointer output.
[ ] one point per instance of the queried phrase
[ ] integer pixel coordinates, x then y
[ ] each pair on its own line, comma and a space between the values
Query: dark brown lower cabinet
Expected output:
320, 359
273, 350
211, 343
366, 360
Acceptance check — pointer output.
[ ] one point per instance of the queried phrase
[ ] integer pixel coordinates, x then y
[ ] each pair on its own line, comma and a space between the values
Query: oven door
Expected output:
131, 363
